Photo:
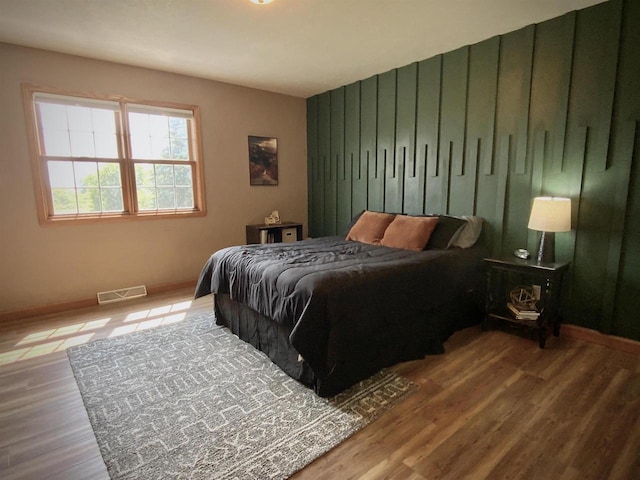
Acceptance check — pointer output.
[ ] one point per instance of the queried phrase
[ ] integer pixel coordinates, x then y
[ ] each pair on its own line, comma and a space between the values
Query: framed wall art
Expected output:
263, 160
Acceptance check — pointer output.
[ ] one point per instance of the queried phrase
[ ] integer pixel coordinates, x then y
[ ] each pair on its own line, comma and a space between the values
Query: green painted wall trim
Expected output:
551, 109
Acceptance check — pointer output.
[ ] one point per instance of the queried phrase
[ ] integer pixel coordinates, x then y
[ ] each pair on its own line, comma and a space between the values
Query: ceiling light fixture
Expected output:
261, 2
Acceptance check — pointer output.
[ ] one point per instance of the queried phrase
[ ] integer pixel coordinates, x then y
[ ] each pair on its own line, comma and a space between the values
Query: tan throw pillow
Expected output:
410, 233
370, 227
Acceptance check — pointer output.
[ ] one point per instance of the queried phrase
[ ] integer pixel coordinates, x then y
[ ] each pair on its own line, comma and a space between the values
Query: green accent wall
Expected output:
551, 109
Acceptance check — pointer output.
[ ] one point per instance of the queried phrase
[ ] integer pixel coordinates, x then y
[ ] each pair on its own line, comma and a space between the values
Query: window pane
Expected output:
183, 175
164, 175
179, 149
64, 201
184, 197
140, 135
55, 132
78, 131
156, 189
82, 144
89, 200
177, 127
106, 145
178, 132
139, 125
109, 174
158, 125
166, 198
79, 119
140, 147
56, 143
61, 174
147, 198
103, 121
86, 174
158, 137
112, 200
98, 187
160, 148
53, 116
145, 176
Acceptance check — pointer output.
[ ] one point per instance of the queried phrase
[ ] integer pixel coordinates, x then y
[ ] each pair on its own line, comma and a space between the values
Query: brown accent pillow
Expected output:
410, 233
370, 227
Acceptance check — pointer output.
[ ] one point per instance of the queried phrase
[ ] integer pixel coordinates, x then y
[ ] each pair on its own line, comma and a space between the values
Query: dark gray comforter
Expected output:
345, 301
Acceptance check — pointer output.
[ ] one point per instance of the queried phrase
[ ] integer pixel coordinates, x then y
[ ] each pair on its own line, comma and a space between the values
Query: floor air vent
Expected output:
122, 294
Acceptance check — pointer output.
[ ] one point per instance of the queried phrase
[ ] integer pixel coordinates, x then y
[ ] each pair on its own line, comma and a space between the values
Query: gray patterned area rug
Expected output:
191, 400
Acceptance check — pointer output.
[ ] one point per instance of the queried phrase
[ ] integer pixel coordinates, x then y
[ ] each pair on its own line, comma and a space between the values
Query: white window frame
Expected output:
43, 190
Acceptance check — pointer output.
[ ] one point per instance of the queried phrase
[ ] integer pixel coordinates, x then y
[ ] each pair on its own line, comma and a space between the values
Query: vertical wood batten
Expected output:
526, 48
349, 176
455, 73
626, 144
387, 92
313, 228
580, 155
537, 169
609, 59
566, 41
368, 141
409, 187
481, 108
336, 148
428, 127
405, 106
324, 154
501, 197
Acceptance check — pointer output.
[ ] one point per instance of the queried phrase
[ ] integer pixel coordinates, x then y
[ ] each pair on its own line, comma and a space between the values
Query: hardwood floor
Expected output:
493, 406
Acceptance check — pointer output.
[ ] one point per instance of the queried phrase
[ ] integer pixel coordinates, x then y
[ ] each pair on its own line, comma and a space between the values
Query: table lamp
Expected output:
549, 215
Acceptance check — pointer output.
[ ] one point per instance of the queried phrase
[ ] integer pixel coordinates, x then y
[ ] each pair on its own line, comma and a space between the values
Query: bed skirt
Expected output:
358, 361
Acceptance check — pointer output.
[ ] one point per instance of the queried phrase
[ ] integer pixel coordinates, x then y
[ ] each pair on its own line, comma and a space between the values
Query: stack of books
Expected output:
523, 314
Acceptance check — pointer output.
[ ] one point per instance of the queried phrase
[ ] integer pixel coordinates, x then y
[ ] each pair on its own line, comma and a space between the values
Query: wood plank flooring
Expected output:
493, 406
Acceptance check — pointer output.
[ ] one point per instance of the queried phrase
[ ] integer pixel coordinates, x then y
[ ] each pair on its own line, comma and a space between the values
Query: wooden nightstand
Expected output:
274, 233
506, 273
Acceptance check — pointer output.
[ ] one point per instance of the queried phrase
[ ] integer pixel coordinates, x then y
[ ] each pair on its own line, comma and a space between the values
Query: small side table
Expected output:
274, 233
502, 274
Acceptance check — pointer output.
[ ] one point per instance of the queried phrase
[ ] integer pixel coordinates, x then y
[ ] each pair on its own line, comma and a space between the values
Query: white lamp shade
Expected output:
550, 214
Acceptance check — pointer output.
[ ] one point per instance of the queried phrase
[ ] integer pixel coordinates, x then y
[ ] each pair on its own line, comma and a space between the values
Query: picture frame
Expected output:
263, 160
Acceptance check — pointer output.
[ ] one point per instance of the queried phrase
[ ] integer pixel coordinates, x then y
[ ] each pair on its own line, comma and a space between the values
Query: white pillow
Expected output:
468, 234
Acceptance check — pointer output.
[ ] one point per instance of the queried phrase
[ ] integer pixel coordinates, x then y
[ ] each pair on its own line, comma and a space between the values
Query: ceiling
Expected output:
295, 47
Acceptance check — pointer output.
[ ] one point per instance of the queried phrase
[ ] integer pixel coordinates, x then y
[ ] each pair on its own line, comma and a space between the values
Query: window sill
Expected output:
120, 217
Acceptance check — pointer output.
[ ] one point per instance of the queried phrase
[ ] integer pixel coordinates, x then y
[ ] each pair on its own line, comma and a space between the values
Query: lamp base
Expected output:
546, 250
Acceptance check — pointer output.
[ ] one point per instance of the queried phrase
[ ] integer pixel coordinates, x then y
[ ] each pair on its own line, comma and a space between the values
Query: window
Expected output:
103, 158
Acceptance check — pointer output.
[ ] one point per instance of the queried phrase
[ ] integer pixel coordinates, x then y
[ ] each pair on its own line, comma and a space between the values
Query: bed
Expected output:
332, 311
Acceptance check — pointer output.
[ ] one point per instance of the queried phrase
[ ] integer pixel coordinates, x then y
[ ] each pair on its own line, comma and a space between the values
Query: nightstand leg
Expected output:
556, 329
542, 328
488, 301
543, 336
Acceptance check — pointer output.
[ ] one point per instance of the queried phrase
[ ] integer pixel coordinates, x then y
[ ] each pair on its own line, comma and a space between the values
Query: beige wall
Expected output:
44, 265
